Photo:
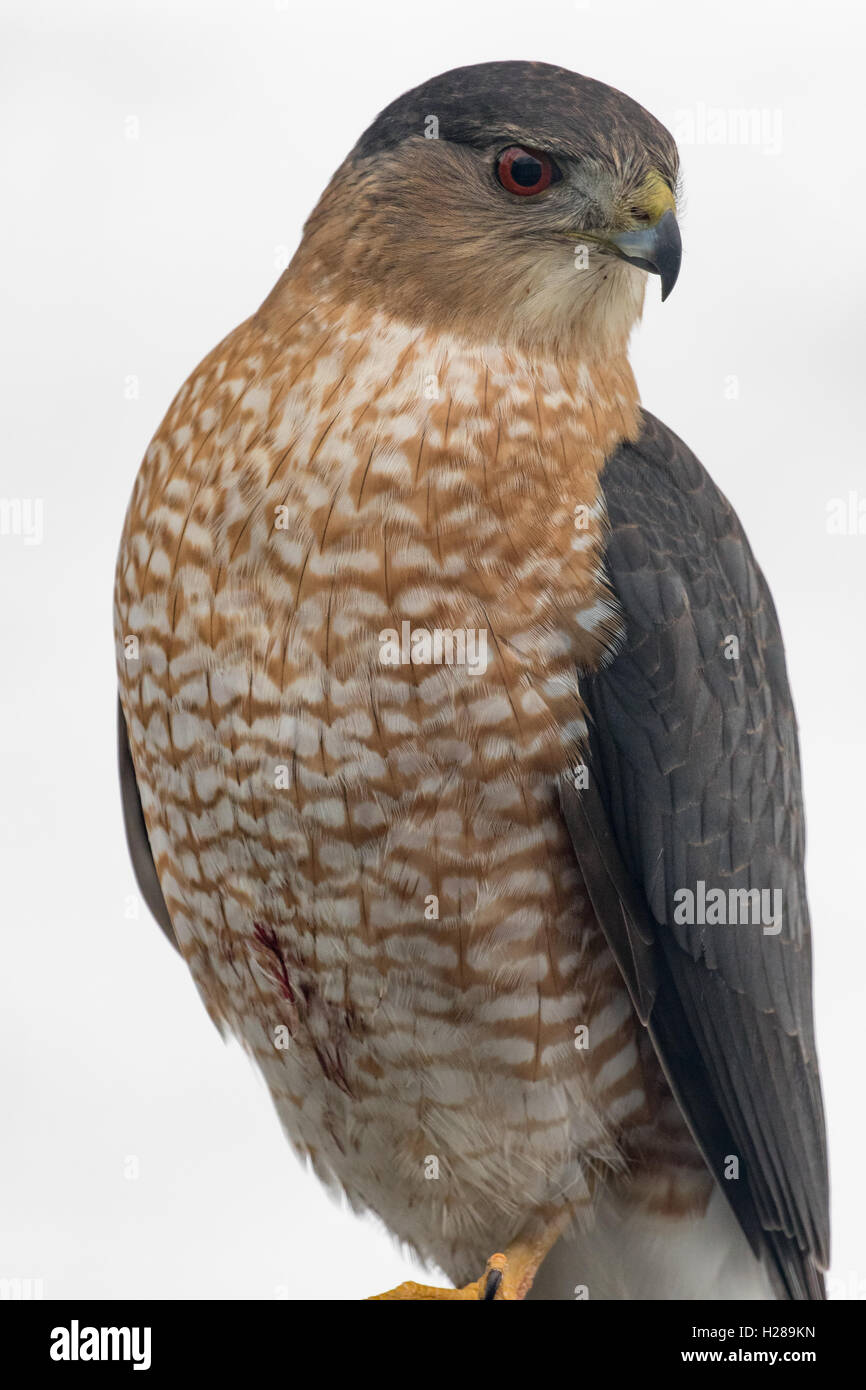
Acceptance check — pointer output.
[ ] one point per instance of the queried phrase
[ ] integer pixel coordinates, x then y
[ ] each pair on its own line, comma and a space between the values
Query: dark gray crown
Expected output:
542, 105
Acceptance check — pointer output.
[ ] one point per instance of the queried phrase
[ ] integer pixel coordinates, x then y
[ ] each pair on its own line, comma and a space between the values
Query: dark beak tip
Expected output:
669, 252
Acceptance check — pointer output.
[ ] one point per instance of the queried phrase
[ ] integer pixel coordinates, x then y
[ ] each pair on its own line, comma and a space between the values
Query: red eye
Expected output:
526, 171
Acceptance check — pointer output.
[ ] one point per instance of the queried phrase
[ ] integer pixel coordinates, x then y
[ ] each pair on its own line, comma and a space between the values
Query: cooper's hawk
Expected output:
458, 752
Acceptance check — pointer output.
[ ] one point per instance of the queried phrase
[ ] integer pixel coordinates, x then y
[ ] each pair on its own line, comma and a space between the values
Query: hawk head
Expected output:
513, 200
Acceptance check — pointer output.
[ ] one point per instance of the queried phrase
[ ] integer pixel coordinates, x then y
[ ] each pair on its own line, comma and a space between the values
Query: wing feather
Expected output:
695, 778
136, 832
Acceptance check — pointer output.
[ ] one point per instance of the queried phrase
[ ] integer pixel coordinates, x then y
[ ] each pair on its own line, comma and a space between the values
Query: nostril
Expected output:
639, 214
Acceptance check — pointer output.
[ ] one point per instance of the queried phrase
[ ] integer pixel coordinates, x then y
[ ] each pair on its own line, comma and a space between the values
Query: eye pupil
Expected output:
526, 172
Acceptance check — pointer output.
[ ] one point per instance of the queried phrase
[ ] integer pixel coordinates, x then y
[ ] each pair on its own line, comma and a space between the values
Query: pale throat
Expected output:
471, 468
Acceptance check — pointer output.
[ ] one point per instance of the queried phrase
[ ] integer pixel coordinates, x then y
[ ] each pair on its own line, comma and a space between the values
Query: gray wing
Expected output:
136, 832
694, 776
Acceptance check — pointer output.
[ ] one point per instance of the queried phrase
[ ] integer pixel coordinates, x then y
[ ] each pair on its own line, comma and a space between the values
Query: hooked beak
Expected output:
658, 248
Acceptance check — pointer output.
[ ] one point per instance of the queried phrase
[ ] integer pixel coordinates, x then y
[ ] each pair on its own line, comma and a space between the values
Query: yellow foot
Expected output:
507, 1276
486, 1289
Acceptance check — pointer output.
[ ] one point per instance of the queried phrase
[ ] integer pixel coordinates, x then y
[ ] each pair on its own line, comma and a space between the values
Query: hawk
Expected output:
457, 750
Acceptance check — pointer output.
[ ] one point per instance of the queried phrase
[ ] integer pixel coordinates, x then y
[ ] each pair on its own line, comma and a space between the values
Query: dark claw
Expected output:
491, 1288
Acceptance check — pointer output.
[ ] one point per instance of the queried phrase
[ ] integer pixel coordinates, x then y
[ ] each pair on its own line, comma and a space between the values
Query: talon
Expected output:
493, 1276
507, 1276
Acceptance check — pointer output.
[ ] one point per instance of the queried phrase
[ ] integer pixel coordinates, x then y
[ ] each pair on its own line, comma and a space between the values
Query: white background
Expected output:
124, 257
